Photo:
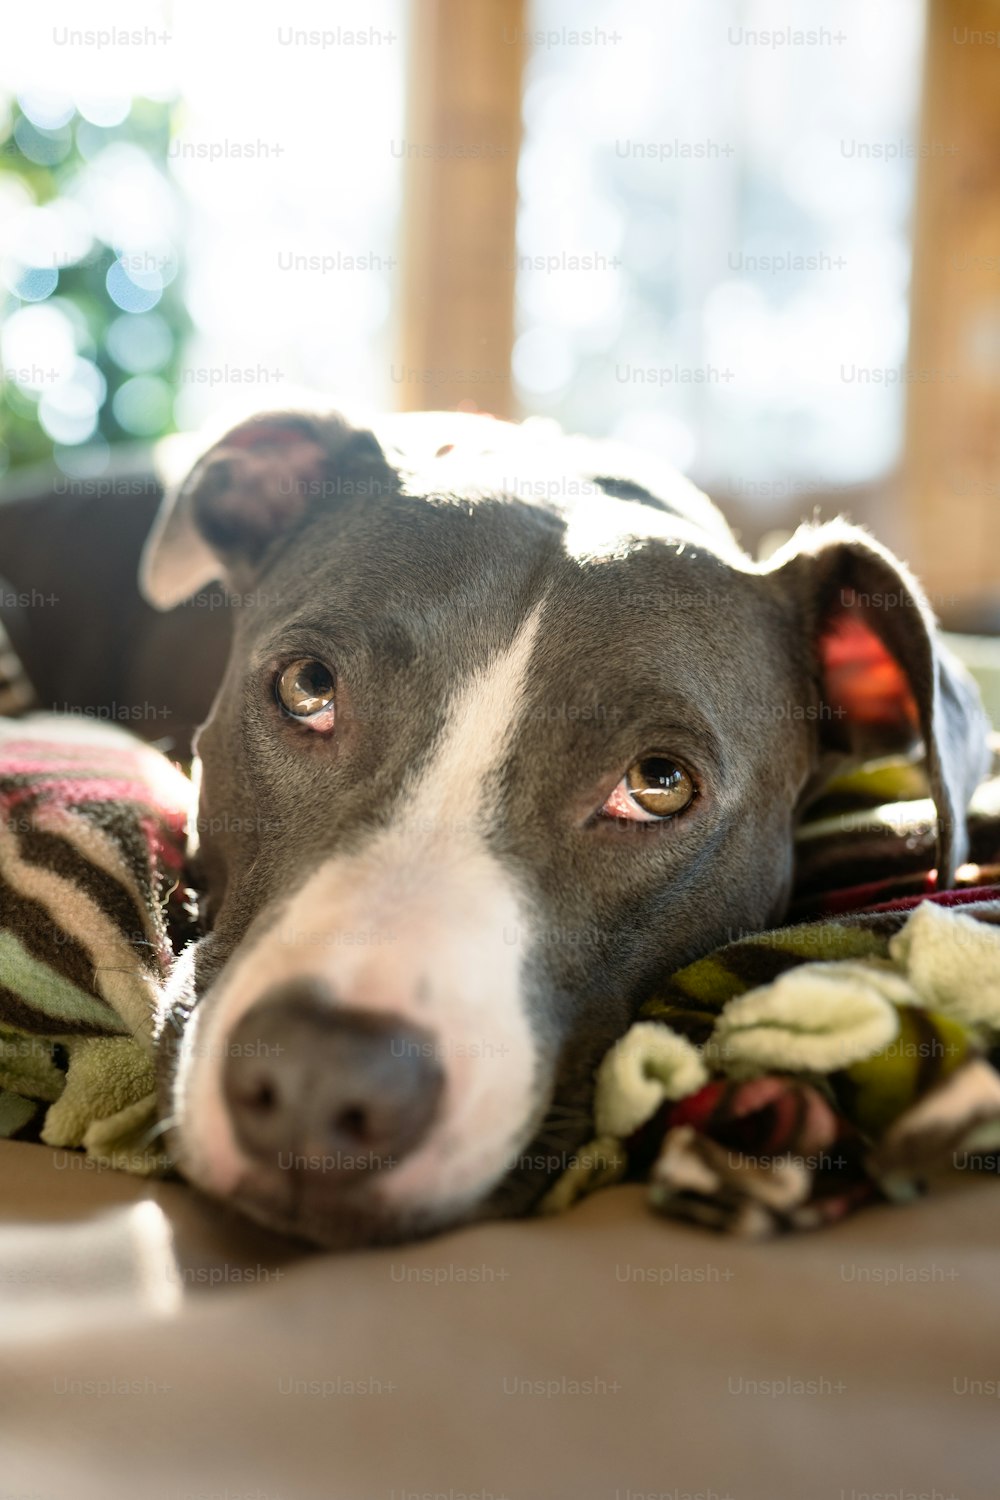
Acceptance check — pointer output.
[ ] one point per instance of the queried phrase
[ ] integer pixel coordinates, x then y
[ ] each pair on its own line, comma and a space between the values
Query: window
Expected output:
696, 276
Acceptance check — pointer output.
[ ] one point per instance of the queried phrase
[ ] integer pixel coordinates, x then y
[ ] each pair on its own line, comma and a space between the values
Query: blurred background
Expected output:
759, 236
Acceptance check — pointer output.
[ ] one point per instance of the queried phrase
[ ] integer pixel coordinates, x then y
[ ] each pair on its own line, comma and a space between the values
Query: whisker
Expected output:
160, 1128
112, 969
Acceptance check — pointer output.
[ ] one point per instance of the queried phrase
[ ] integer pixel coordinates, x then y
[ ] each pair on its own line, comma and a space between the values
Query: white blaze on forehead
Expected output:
423, 922
476, 736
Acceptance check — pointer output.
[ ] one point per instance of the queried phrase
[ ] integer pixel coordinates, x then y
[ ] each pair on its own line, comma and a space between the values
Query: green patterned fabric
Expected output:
793, 1075
91, 845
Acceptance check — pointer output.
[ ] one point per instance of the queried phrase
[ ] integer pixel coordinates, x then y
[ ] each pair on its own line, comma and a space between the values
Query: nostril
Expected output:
258, 1094
263, 1097
351, 1088
353, 1123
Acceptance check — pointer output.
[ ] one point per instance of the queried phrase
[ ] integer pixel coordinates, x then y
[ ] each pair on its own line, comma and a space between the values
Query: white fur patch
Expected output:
423, 923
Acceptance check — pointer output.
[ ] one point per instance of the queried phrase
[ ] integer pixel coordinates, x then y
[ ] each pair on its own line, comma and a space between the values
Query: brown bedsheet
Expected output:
606, 1353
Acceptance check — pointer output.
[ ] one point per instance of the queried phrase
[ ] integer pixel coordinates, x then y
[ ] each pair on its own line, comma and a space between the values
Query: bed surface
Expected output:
152, 1345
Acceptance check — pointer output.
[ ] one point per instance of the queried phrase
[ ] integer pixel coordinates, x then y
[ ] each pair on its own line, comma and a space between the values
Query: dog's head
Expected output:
506, 734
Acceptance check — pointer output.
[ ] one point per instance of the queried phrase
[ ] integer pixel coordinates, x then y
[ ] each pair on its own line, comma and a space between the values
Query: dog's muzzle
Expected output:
327, 1095
358, 1091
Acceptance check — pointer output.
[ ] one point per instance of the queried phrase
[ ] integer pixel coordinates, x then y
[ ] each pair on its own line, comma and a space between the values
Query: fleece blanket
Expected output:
794, 1075
91, 847
778, 1083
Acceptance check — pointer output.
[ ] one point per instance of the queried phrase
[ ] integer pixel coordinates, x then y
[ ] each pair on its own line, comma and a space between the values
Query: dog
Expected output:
510, 729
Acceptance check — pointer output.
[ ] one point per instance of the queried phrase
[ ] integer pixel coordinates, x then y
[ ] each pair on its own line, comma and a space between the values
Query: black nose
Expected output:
314, 1087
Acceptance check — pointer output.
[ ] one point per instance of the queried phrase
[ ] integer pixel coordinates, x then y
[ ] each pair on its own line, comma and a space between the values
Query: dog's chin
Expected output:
348, 1226
357, 1218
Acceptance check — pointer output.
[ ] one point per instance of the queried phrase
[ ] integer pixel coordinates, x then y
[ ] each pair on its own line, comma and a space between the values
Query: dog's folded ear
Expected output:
249, 488
885, 681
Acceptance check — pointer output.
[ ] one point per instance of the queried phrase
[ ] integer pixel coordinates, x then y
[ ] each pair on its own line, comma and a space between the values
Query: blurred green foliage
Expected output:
90, 233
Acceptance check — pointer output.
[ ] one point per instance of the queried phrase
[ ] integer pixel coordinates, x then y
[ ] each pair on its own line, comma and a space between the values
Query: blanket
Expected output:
91, 847
850, 1057
779, 1083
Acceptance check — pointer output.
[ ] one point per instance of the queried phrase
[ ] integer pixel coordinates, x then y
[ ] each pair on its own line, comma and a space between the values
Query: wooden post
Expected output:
460, 205
952, 461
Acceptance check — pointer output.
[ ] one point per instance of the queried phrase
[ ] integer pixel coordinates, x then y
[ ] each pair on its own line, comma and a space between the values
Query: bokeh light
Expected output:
142, 405
140, 343
175, 215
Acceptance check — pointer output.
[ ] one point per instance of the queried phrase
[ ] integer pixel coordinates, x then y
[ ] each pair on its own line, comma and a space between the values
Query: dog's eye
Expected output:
651, 789
305, 690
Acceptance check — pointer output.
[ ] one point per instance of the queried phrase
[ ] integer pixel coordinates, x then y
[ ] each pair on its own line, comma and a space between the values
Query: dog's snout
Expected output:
314, 1087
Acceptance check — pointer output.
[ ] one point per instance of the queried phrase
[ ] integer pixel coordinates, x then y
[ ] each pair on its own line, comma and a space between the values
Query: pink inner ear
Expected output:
863, 681
273, 476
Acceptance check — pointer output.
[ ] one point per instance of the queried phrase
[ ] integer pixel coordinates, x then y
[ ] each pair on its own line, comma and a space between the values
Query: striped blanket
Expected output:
91, 845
